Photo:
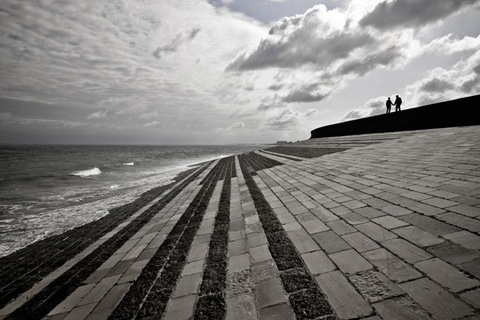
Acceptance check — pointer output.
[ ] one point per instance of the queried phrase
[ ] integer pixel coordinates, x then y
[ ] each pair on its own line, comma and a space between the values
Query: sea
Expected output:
48, 189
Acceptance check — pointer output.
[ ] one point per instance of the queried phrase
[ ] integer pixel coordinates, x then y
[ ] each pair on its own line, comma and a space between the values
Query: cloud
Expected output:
369, 62
276, 86
436, 85
5, 115
310, 112
148, 115
316, 38
306, 94
236, 127
450, 44
98, 115
179, 40
123, 64
274, 104
317, 52
152, 124
373, 107
284, 121
82, 57
412, 13
249, 86
444, 84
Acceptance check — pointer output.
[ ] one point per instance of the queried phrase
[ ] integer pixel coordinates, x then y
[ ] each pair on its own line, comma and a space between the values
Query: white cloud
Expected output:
148, 115
373, 107
152, 124
98, 115
450, 44
320, 50
463, 79
284, 121
236, 127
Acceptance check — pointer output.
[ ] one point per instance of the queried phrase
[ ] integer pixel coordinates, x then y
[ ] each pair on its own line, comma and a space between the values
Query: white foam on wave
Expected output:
87, 173
129, 164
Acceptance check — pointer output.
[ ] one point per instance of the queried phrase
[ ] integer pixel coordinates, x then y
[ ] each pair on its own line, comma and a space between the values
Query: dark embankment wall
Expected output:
453, 113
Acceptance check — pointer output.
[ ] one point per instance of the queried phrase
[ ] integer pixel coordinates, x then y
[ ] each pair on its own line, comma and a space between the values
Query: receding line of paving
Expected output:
240, 298
279, 158
149, 295
304, 295
211, 300
289, 157
137, 248
183, 299
27, 296
250, 263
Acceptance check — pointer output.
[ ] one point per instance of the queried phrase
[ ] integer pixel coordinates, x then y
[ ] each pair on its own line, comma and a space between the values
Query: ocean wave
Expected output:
87, 173
129, 164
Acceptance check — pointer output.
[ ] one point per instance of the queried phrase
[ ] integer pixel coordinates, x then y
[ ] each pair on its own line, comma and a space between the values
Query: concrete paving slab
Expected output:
437, 301
465, 239
446, 275
269, 293
360, 242
330, 242
375, 232
302, 241
349, 261
406, 250
343, 298
393, 310
240, 307
340, 227
472, 297
318, 262
394, 268
418, 236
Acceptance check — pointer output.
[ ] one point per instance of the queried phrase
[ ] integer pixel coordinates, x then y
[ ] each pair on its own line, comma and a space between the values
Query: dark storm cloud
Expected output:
412, 13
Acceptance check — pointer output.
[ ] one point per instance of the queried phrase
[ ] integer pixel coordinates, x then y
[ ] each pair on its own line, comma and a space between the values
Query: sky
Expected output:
224, 71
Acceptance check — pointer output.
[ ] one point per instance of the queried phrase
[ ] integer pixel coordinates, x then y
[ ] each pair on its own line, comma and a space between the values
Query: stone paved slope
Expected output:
377, 226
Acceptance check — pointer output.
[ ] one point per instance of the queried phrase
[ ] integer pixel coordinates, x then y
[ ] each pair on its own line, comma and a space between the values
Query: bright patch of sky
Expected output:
224, 71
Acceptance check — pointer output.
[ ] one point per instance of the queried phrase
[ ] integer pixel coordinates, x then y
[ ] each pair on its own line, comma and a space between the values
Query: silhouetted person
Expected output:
389, 105
398, 103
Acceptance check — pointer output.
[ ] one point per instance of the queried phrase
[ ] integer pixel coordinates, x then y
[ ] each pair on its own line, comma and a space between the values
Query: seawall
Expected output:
453, 113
